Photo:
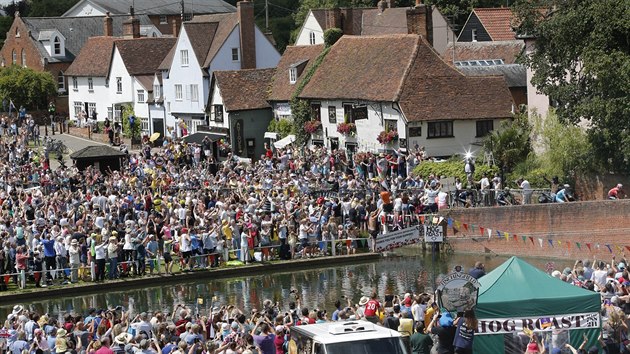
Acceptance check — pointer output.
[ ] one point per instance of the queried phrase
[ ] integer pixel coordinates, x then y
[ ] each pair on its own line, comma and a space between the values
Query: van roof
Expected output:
350, 331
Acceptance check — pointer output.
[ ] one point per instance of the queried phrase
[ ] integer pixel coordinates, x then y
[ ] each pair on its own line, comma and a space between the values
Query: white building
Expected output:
206, 44
398, 82
386, 19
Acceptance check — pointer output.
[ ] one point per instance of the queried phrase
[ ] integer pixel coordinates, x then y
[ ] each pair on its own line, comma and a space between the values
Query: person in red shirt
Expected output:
616, 192
268, 151
372, 309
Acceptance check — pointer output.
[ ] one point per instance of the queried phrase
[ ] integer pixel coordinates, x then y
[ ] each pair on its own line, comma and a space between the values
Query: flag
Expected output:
472, 227
450, 222
628, 248
531, 239
524, 238
455, 231
559, 243
550, 243
578, 245
569, 246
619, 248
589, 246
515, 238
540, 242
466, 226
609, 248
481, 229
489, 233
507, 236
498, 233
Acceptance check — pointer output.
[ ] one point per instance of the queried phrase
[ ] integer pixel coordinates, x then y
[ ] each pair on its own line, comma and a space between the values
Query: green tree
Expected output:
510, 144
47, 8
581, 60
126, 126
26, 87
305, 5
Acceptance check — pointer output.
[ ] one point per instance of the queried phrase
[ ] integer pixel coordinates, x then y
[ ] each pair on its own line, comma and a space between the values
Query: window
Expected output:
119, 85
415, 132
473, 34
184, 57
75, 83
292, 75
110, 113
163, 20
188, 17
311, 38
218, 113
156, 92
440, 129
23, 58
316, 109
332, 114
178, 92
168, 107
61, 82
14, 56
91, 108
194, 93
140, 96
56, 46
484, 127
235, 56
78, 107
17, 32
145, 124
90, 84
348, 117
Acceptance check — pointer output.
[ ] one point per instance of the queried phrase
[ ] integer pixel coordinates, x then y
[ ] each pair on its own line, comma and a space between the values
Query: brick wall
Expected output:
593, 222
18, 40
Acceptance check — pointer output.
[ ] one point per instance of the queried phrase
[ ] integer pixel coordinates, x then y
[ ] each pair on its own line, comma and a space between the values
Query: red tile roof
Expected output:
507, 51
497, 22
406, 69
144, 55
94, 58
244, 90
281, 88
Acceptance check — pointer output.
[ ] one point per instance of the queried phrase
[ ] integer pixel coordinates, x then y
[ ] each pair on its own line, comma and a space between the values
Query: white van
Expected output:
353, 337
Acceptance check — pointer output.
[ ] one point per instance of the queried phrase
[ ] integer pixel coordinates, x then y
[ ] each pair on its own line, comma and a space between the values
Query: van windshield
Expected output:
392, 345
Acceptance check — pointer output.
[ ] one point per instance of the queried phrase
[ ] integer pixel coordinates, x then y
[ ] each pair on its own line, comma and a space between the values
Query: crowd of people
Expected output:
226, 329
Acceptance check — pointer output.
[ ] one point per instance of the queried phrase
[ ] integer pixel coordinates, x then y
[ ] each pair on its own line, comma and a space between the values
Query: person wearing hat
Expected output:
442, 327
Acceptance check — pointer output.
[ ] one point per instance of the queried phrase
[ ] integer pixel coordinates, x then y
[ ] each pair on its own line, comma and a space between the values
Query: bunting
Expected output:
489, 233
466, 226
524, 238
609, 248
589, 246
532, 239
578, 245
482, 230
507, 236
540, 242
450, 222
550, 243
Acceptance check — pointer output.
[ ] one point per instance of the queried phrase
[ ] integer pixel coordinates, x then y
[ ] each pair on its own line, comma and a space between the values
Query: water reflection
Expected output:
409, 271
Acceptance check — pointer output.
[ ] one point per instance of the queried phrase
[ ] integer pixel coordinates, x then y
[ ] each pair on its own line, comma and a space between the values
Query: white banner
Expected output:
400, 238
539, 323
433, 233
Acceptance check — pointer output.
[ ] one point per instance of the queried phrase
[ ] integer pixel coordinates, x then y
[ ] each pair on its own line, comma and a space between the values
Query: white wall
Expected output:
267, 56
140, 108
223, 58
310, 25
464, 135
536, 102
85, 10
118, 69
100, 95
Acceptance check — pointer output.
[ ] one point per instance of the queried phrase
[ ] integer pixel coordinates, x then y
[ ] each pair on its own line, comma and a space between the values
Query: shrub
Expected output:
331, 36
452, 168
283, 127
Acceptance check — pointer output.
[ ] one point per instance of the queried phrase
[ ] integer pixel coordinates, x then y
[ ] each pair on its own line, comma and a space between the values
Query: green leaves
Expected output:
510, 144
26, 86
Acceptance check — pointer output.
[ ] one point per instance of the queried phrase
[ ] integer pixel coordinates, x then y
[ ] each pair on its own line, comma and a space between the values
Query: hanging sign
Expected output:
457, 292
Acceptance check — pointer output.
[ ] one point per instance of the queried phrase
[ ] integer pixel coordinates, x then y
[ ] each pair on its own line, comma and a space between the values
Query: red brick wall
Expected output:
592, 222
23, 42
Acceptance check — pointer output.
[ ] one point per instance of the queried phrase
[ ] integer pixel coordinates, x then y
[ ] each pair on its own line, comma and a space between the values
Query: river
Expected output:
407, 270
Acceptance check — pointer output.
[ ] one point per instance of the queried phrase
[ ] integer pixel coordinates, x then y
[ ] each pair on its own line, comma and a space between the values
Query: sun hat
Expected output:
364, 300
17, 309
123, 338
61, 332
279, 328
235, 325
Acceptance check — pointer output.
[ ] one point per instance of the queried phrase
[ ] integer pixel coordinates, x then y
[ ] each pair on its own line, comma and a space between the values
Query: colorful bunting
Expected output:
507, 236
532, 239
609, 248
498, 233
524, 238
472, 227
450, 222
481, 229
578, 245
589, 246
540, 242
515, 238
628, 248
489, 233
550, 243
466, 226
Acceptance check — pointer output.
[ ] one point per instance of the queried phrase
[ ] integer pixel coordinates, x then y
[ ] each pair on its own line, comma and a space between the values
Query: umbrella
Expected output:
155, 136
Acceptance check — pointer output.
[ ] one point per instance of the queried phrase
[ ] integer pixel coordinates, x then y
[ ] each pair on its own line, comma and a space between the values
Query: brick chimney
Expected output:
333, 18
347, 20
108, 25
175, 28
420, 21
245, 11
131, 26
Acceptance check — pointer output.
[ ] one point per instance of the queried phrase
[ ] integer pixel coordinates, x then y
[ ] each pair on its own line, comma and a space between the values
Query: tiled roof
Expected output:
76, 30
146, 81
94, 58
226, 24
515, 74
95, 151
405, 69
497, 22
244, 90
508, 51
144, 55
281, 89
160, 7
434, 90
198, 34
363, 68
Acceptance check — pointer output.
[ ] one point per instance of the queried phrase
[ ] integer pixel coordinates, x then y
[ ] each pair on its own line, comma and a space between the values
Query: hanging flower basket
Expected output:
386, 137
312, 126
346, 128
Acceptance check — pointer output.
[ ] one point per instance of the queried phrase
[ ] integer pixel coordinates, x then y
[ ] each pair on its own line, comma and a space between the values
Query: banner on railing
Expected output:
538, 323
396, 239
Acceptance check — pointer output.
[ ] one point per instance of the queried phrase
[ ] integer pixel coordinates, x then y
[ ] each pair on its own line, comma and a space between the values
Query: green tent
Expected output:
517, 295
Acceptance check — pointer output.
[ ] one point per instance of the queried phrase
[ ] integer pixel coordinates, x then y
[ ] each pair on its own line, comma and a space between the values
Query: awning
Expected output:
198, 137
287, 140
271, 135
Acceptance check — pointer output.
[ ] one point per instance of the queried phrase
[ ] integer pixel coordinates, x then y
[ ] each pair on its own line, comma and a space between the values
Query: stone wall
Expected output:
592, 222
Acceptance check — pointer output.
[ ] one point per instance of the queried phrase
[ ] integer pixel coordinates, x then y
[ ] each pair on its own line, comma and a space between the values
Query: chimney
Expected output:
131, 26
347, 20
245, 11
108, 25
391, 4
420, 21
175, 28
333, 18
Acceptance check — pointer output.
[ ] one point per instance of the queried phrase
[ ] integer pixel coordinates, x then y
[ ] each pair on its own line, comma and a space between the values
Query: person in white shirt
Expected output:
484, 186
527, 190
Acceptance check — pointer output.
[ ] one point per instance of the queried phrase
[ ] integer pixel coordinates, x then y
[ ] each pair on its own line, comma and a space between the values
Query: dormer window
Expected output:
292, 75
56, 46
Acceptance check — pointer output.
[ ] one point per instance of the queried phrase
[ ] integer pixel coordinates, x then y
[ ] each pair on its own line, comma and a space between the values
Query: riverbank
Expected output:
21, 296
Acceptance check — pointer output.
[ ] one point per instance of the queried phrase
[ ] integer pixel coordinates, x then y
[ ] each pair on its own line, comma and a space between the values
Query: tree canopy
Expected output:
581, 60
26, 87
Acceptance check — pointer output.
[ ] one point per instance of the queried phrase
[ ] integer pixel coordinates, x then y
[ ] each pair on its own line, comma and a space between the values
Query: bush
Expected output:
283, 127
452, 168
331, 36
